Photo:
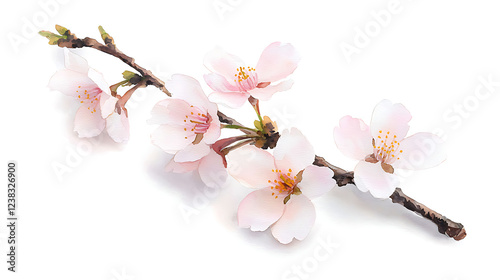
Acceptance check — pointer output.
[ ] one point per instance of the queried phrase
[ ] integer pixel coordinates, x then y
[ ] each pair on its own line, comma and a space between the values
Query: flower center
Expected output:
386, 147
89, 97
197, 122
286, 184
246, 78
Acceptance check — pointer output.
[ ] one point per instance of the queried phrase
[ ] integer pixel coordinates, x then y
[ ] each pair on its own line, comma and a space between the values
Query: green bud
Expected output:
45, 34
127, 75
105, 36
53, 38
258, 125
62, 30
102, 31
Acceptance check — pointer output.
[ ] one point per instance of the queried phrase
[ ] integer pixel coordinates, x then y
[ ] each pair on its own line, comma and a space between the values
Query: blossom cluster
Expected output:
284, 179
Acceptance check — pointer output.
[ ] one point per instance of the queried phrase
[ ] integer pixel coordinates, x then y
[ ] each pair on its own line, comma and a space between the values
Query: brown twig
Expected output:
445, 225
341, 176
228, 120
110, 48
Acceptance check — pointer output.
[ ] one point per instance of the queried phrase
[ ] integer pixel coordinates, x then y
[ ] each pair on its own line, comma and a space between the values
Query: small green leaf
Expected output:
53, 40
45, 34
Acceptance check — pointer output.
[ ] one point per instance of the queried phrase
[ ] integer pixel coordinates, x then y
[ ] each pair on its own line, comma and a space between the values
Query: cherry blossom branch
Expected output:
69, 40
228, 120
341, 176
223, 118
445, 226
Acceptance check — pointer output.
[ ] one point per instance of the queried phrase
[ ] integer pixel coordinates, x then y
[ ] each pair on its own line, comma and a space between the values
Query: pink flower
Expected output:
382, 147
97, 109
188, 122
285, 183
233, 81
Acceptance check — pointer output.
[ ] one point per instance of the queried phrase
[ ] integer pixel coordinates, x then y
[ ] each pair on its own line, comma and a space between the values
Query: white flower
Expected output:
188, 126
97, 108
382, 147
286, 183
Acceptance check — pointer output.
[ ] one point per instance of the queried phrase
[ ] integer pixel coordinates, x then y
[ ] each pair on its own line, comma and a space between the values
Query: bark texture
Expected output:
445, 226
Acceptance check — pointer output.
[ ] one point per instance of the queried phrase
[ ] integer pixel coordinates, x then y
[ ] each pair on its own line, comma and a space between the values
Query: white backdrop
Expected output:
116, 215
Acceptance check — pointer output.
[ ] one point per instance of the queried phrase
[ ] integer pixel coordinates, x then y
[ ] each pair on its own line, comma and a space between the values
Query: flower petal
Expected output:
316, 181
353, 138
419, 151
212, 170
88, 124
99, 80
293, 151
371, 177
213, 131
181, 167
251, 166
171, 138
217, 82
74, 62
230, 99
266, 93
71, 83
297, 220
192, 152
108, 105
170, 111
223, 63
188, 89
276, 62
392, 118
259, 209
118, 127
